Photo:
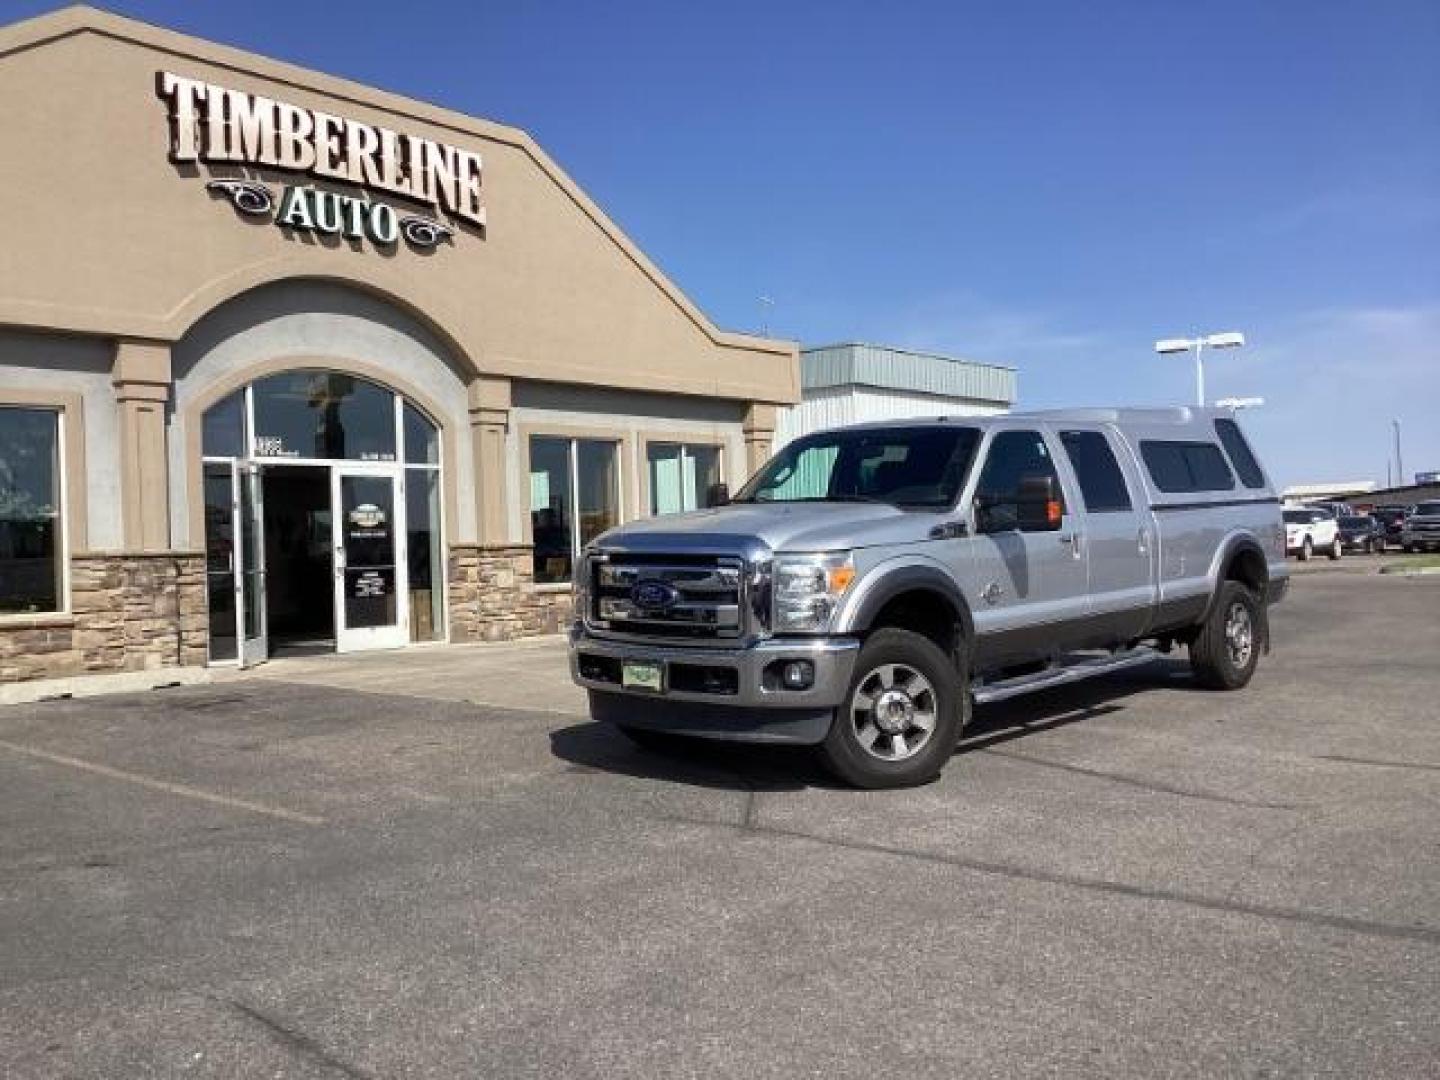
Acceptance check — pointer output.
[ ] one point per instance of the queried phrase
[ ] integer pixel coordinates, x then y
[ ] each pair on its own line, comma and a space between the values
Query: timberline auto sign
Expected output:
218, 126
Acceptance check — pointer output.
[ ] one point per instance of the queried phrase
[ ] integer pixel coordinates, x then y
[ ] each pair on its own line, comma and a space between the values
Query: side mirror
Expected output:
995, 515
1038, 508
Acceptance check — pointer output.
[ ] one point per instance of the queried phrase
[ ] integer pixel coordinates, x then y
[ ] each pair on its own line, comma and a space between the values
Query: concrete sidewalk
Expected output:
531, 675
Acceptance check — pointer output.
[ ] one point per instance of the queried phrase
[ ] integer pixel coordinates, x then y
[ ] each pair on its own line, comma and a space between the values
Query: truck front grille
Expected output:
684, 597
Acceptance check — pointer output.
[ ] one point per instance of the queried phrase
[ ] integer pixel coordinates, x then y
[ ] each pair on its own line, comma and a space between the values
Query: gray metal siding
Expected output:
898, 369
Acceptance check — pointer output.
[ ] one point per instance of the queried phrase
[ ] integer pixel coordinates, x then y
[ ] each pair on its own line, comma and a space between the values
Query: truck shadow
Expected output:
592, 747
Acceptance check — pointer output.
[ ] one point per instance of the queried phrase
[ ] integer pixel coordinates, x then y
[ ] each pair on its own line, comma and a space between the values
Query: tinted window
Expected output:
30, 543
1427, 509
1015, 457
321, 414
1102, 484
918, 466
1187, 466
1240, 455
223, 428
1297, 517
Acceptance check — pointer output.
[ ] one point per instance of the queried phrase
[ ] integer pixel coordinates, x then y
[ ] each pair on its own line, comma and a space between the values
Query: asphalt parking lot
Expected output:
1131, 878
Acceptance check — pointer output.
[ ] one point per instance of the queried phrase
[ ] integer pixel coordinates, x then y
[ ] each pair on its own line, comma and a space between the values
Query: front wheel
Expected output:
1336, 549
1306, 550
902, 716
1225, 652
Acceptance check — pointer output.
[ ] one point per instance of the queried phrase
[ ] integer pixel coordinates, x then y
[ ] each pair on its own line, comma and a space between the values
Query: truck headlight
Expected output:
807, 590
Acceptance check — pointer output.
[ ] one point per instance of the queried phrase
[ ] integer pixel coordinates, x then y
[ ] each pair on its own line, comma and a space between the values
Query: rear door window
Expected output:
1178, 467
1102, 484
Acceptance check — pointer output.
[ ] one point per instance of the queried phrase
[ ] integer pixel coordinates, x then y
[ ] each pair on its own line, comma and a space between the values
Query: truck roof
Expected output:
1153, 416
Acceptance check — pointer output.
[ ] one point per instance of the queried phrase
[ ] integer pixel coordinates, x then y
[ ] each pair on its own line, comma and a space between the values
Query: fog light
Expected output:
798, 675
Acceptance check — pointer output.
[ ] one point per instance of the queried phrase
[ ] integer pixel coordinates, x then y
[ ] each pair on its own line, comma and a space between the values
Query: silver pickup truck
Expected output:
870, 584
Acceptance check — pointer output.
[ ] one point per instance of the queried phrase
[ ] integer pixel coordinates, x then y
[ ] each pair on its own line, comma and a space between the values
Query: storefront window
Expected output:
220, 559
574, 497
426, 561
31, 547
682, 477
224, 427
323, 414
422, 438
551, 523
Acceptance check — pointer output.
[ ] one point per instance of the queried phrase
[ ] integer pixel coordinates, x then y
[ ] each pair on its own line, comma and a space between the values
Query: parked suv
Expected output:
869, 584
1422, 528
1393, 519
1308, 530
1363, 533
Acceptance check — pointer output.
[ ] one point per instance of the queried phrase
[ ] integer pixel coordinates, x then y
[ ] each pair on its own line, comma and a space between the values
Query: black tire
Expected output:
1218, 665
898, 763
1306, 549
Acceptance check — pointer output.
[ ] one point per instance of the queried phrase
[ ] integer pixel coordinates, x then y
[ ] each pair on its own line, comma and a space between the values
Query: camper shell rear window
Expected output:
1185, 467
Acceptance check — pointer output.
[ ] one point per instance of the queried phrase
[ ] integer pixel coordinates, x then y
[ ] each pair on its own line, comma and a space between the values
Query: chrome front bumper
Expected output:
833, 658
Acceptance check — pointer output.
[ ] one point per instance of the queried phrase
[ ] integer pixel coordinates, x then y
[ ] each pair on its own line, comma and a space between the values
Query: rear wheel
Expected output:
902, 716
1227, 648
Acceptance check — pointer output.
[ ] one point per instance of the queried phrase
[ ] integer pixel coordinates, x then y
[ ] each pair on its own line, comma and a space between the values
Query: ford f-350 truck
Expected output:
870, 584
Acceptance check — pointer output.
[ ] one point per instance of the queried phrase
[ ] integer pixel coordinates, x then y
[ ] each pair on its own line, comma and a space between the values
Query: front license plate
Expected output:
642, 675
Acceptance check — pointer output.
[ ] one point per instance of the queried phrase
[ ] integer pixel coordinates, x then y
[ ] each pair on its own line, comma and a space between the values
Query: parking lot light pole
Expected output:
1229, 340
1235, 404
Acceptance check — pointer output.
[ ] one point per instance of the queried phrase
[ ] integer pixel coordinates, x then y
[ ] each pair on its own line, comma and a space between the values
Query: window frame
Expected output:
573, 436
1243, 463
66, 513
981, 461
1183, 445
685, 440
1109, 445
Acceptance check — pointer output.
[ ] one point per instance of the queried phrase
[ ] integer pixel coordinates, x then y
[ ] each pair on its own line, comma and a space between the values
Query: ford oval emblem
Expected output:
652, 595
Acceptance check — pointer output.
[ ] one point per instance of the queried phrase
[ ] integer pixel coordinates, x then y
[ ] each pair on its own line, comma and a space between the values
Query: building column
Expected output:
489, 398
141, 378
759, 430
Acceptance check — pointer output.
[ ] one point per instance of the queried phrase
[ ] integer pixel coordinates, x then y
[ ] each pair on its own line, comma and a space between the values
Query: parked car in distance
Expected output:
1308, 530
1362, 533
1422, 528
868, 585
1392, 517
1334, 509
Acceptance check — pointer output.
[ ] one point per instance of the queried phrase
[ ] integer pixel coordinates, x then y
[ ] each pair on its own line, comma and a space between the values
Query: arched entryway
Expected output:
323, 517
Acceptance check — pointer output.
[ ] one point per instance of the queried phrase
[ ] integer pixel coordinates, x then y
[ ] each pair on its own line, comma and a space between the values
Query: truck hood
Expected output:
779, 526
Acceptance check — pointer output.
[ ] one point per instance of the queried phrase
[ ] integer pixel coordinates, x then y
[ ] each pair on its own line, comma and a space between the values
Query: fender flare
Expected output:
888, 580
1230, 549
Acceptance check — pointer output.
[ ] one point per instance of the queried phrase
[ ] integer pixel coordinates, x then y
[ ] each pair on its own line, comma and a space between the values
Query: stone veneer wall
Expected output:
493, 596
129, 612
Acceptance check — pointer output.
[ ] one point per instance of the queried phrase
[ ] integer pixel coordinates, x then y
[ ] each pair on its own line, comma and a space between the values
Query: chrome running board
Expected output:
1062, 673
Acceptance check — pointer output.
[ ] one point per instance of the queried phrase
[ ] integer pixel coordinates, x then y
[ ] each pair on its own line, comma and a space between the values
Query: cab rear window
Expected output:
1178, 467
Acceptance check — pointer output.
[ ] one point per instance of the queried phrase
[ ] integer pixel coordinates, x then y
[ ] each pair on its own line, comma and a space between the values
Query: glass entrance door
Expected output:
254, 639
371, 590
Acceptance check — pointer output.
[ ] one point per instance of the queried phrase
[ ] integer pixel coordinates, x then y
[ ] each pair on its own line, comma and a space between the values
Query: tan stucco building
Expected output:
289, 362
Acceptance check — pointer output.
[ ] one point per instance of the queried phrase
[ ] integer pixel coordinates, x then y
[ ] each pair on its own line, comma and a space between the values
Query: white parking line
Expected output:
163, 785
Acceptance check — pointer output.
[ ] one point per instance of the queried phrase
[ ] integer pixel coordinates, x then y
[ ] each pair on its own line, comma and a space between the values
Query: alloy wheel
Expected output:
893, 712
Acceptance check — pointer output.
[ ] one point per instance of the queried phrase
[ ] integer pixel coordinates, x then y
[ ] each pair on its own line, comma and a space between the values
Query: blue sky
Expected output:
1048, 185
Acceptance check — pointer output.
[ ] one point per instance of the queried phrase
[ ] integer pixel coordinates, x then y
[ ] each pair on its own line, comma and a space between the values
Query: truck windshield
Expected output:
920, 467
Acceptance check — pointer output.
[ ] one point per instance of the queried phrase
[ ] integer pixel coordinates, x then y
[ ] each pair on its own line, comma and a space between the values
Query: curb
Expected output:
123, 682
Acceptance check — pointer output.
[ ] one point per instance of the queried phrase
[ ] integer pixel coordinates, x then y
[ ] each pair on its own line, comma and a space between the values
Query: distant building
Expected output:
852, 383
1343, 491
